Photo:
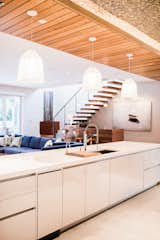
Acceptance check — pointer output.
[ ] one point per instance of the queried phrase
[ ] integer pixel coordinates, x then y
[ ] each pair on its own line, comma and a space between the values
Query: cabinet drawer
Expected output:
16, 187
151, 176
19, 227
152, 159
17, 204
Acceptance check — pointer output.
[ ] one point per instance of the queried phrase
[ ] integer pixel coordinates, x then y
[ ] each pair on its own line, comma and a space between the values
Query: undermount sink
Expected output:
90, 153
106, 151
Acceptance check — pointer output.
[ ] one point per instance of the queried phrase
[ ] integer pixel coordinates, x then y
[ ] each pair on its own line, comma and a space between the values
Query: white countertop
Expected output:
41, 161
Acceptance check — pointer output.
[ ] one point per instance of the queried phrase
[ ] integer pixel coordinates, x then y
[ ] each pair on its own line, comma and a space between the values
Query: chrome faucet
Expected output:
85, 139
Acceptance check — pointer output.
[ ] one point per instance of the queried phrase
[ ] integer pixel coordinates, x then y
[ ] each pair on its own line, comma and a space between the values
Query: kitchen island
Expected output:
45, 192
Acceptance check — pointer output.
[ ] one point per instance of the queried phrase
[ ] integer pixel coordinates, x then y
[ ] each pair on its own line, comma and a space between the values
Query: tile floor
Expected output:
135, 219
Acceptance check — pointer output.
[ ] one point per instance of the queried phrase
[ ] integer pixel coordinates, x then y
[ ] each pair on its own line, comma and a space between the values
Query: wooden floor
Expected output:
135, 219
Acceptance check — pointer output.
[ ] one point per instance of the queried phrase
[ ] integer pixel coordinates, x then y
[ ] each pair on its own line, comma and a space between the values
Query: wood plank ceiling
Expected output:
68, 30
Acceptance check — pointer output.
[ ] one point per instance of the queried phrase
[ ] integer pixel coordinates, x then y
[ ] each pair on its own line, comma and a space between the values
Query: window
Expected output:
9, 114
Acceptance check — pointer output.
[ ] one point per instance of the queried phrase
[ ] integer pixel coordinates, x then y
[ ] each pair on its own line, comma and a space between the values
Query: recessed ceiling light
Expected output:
2, 4
42, 21
32, 13
92, 39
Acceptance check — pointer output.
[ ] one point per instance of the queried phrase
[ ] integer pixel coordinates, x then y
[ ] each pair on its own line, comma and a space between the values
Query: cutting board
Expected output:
83, 154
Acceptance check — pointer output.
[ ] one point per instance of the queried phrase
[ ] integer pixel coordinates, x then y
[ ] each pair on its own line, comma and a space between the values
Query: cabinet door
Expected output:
97, 186
135, 173
49, 202
151, 176
118, 179
73, 194
19, 227
152, 159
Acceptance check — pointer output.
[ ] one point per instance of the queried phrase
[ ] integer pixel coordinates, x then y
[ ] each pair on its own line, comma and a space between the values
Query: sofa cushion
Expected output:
27, 149
35, 143
12, 150
43, 141
26, 141
15, 150
1, 149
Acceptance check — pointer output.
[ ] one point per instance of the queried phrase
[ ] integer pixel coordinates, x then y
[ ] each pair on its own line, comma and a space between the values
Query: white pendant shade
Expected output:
92, 79
129, 89
30, 68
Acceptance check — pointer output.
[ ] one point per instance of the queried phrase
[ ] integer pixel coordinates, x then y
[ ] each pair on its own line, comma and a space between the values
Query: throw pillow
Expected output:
8, 140
48, 144
16, 142
2, 142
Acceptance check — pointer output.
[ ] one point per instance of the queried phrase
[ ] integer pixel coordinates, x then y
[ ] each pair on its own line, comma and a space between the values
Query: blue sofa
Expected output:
34, 144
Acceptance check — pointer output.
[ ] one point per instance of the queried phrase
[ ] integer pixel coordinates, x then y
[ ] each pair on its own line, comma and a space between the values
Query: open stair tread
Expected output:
89, 111
103, 95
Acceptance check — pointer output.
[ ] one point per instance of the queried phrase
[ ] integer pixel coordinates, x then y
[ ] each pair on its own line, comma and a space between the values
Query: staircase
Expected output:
82, 111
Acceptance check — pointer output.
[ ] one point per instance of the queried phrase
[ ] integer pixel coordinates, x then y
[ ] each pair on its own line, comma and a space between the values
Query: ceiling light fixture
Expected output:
42, 21
92, 78
129, 87
32, 13
31, 65
2, 4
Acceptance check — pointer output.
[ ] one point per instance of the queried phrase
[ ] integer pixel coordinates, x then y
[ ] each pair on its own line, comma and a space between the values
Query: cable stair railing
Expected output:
81, 106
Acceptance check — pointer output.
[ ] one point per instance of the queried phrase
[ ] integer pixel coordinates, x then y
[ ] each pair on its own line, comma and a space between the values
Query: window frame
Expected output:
4, 96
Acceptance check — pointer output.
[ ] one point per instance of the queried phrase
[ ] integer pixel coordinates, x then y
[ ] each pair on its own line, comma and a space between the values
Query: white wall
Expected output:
152, 92
32, 112
147, 90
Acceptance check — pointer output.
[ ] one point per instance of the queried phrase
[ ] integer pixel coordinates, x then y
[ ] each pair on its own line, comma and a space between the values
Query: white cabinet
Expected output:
73, 194
118, 179
49, 203
135, 173
97, 186
151, 177
152, 168
152, 159
19, 227
126, 176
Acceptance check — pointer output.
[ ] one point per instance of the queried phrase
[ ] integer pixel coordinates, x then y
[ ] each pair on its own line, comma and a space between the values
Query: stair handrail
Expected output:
68, 101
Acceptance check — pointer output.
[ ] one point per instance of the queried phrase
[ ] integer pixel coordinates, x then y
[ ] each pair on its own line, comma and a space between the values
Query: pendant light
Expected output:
129, 87
92, 78
31, 65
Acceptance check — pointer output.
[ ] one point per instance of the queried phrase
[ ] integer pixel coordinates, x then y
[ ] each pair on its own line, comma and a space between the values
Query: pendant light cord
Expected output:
130, 57
92, 51
92, 40
31, 21
129, 64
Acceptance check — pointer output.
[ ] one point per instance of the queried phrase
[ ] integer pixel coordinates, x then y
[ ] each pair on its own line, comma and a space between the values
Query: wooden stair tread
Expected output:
98, 101
94, 104
108, 90
83, 116
89, 111
91, 108
98, 95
